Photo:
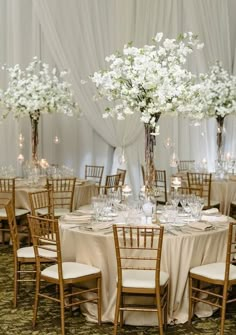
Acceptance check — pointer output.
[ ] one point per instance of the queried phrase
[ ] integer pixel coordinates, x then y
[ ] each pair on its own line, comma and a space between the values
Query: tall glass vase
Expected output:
219, 137
150, 142
34, 119
149, 159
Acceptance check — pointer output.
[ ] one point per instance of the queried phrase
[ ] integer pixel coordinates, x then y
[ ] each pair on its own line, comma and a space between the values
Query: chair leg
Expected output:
62, 307
190, 308
15, 283
159, 314
118, 297
99, 302
166, 295
36, 299
223, 309
121, 311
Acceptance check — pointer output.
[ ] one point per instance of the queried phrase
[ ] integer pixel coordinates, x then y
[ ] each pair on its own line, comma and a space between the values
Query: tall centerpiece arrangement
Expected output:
151, 81
33, 92
219, 95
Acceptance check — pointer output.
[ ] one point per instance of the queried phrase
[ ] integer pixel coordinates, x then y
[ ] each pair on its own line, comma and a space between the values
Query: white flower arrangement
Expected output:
151, 80
36, 90
218, 89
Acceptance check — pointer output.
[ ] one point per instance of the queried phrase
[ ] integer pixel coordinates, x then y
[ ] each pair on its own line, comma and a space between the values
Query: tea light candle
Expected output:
126, 190
228, 156
176, 182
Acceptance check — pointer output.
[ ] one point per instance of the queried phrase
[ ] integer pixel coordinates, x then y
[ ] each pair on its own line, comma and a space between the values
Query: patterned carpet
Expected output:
19, 321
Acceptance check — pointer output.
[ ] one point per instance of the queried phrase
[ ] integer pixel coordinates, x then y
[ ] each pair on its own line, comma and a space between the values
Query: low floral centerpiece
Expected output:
152, 81
35, 91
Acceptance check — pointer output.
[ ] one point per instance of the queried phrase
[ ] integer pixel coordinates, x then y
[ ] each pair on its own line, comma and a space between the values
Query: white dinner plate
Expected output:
105, 218
112, 214
178, 224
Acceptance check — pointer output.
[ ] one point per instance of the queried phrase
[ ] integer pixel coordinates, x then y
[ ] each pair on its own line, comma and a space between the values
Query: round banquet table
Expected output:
82, 196
222, 190
180, 252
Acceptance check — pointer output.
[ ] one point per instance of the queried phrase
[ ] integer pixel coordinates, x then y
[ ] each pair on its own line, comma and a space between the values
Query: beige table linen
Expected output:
83, 193
222, 190
180, 252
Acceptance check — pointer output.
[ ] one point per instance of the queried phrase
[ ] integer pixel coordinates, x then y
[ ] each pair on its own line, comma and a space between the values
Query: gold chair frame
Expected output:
46, 231
138, 249
220, 279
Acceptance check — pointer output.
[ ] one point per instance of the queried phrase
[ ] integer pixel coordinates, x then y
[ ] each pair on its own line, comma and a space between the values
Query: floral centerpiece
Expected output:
218, 97
151, 81
35, 91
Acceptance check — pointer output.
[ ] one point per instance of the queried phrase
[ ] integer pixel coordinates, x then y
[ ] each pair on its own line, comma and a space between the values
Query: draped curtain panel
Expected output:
78, 35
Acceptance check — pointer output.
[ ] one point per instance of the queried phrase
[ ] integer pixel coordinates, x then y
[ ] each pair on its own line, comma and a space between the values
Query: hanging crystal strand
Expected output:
34, 119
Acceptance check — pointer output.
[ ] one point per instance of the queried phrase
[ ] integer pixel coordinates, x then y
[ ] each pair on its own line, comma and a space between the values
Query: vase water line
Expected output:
34, 119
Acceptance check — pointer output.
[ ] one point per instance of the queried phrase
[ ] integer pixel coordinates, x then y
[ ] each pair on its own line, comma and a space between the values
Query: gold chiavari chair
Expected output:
7, 191
94, 173
62, 194
138, 255
203, 180
185, 165
122, 176
23, 257
161, 185
72, 280
215, 280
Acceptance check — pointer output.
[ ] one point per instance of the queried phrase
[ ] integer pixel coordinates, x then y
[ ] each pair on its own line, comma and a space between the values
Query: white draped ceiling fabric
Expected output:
78, 35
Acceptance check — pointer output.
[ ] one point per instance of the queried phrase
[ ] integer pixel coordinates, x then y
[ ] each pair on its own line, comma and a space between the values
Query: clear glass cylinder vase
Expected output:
34, 119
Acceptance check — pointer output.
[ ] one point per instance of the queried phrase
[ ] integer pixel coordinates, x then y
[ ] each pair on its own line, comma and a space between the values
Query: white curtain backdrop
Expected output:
78, 35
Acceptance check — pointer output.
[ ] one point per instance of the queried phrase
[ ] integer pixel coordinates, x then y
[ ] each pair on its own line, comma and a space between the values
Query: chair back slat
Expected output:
45, 236
62, 192
41, 200
95, 173
122, 175
11, 219
161, 184
203, 180
7, 189
138, 248
185, 165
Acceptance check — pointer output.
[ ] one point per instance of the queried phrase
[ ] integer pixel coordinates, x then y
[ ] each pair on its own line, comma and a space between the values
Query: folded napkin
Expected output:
214, 218
200, 225
211, 211
101, 226
85, 211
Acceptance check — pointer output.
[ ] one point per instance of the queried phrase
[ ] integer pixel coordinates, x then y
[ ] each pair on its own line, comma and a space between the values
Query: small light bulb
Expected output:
20, 158
56, 140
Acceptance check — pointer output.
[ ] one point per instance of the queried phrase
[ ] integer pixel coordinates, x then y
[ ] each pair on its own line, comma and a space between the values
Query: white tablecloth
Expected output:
222, 190
82, 195
180, 252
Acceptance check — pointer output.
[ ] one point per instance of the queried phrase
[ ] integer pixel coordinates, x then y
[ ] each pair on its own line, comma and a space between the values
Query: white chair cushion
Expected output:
42, 211
142, 278
233, 202
18, 211
3, 213
60, 211
213, 203
214, 271
70, 270
28, 252
21, 211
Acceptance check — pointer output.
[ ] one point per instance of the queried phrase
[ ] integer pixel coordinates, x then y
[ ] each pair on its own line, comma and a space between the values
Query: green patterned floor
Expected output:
18, 321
